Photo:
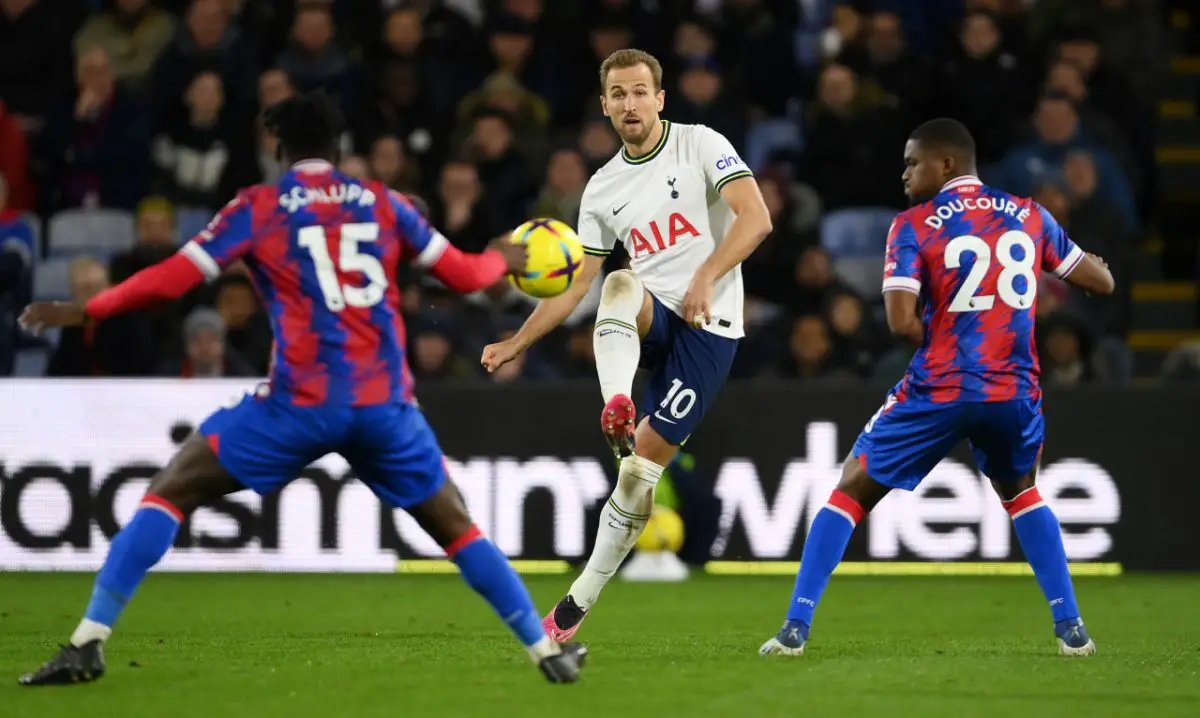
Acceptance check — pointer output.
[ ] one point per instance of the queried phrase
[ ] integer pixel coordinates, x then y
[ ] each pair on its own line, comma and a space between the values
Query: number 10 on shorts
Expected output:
678, 401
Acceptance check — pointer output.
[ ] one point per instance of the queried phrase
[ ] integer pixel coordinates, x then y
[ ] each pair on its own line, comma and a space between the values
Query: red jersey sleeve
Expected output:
903, 267
226, 239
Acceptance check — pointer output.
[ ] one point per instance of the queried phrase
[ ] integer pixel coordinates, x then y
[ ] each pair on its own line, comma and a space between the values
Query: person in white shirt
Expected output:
688, 211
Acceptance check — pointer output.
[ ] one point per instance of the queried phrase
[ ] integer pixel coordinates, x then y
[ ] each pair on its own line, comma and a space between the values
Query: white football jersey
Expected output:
666, 208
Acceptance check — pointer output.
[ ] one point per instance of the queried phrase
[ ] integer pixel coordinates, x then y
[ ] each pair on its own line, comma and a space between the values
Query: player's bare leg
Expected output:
621, 523
192, 479
1040, 537
444, 517
622, 320
856, 494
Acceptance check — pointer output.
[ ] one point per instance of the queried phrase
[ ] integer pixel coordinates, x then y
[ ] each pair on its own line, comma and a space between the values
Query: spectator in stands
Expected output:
1095, 224
816, 282
1057, 133
94, 148
856, 340
156, 239
133, 33
17, 259
273, 86
459, 211
703, 101
247, 328
1065, 353
35, 55
887, 61
208, 42
202, 161
810, 352
389, 164
14, 163
119, 346
312, 59
507, 181
398, 106
852, 153
206, 353
356, 166
755, 38
433, 337
1066, 79
511, 41
560, 197
770, 272
598, 143
501, 92
1110, 90
983, 86
1130, 31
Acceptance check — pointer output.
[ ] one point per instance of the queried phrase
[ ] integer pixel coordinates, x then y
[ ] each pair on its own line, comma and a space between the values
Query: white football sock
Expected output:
615, 337
544, 648
621, 523
89, 631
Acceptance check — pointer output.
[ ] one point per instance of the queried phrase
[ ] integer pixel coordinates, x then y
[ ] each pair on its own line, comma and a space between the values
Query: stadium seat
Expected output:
35, 223
52, 279
98, 231
768, 137
856, 232
864, 274
32, 362
190, 221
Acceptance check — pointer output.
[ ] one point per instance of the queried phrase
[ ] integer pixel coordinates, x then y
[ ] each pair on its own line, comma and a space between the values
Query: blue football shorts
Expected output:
905, 440
265, 443
688, 367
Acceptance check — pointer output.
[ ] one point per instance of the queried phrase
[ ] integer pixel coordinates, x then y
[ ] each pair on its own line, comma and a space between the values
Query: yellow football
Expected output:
664, 531
555, 257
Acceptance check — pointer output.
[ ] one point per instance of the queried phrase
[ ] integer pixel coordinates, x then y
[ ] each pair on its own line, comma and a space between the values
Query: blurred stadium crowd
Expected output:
125, 123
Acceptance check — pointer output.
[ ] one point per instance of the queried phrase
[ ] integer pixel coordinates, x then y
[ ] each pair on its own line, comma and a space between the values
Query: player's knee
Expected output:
857, 484
621, 286
1008, 490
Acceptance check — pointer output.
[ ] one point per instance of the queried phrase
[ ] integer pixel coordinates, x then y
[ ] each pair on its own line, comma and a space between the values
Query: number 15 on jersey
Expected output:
350, 259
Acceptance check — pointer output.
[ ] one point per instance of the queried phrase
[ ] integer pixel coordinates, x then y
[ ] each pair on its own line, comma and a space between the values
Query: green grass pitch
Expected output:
294, 646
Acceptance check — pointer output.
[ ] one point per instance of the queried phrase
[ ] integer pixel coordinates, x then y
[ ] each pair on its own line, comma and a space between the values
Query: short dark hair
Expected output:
946, 133
307, 125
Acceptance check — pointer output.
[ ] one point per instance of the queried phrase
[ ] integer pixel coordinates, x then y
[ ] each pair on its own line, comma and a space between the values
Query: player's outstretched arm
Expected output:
549, 314
1092, 275
465, 273
165, 281
902, 318
751, 225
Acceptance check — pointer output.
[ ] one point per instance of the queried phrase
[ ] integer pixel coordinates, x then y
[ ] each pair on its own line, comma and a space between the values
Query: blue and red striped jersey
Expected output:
974, 254
323, 249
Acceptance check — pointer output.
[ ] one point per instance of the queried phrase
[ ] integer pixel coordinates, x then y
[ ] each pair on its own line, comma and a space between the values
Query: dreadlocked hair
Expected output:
306, 125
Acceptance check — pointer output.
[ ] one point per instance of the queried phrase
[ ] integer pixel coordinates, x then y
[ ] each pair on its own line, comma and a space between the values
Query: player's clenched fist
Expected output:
516, 256
499, 354
39, 315
697, 303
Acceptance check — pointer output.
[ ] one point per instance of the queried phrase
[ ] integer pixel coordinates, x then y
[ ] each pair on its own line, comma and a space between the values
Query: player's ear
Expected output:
604, 103
661, 98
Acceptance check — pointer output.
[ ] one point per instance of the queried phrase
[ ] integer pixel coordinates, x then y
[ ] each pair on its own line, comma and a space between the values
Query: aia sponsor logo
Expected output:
657, 238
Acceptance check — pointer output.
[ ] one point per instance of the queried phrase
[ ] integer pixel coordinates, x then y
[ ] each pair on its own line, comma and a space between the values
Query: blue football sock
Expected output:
1041, 540
135, 549
823, 549
486, 570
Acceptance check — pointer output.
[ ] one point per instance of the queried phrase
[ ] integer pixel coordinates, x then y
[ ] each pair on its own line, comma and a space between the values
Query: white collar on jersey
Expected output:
313, 166
961, 182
